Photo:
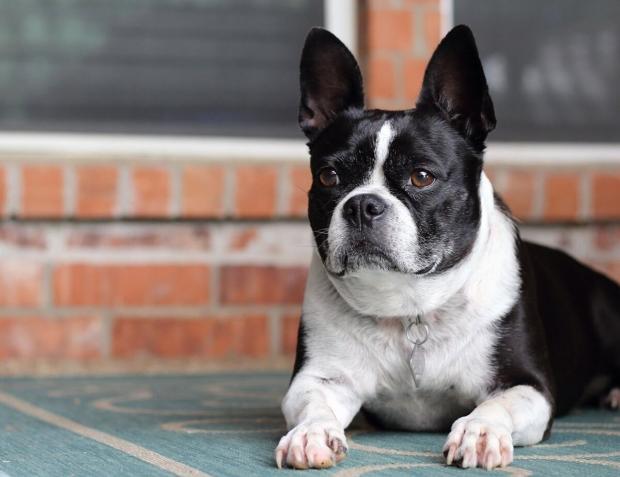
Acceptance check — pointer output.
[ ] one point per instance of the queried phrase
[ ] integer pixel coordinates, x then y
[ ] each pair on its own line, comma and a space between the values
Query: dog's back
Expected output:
580, 312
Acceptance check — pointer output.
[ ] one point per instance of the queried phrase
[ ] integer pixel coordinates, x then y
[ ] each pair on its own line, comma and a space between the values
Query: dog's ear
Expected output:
330, 81
454, 83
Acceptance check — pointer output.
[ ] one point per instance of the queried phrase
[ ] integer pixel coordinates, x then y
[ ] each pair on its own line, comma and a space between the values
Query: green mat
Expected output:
228, 425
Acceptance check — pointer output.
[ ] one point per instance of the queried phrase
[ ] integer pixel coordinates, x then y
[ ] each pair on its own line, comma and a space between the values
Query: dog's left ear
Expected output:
330, 81
454, 83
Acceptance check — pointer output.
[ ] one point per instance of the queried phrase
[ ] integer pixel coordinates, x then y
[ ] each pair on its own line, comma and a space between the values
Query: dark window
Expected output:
553, 66
226, 67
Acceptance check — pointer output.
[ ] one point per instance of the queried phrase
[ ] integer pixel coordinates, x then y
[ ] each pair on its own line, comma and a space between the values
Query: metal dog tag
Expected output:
417, 334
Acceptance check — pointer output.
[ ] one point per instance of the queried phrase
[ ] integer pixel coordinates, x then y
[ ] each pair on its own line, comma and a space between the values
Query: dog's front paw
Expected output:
312, 445
476, 442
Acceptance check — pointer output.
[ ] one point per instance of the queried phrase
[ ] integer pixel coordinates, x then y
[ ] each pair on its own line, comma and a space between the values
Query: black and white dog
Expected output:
423, 306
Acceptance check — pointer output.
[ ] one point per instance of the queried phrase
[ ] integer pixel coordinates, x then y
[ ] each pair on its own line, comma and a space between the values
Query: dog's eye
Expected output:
328, 177
422, 178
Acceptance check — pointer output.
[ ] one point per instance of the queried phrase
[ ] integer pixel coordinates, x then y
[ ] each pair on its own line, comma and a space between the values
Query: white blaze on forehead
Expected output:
382, 149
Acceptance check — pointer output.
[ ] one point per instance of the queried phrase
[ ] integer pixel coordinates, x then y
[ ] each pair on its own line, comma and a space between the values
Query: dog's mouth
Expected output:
363, 255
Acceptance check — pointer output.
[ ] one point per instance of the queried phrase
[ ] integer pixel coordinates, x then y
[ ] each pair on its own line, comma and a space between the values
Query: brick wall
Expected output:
132, 260
54, 188
195, 257
397, 40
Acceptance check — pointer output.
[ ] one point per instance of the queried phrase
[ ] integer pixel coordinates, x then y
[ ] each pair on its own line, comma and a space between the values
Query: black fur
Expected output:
579, 310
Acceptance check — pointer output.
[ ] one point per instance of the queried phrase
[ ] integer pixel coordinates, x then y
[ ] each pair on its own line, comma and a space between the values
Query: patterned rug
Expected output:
228, 425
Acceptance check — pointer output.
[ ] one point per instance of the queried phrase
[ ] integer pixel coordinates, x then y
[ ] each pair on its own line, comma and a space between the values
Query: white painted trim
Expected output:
115, 146
341, 20
446, 15
553, 154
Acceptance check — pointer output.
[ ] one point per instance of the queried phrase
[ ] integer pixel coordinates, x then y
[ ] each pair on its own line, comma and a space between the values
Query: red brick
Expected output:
381, 78
21, 283
389, 29
35, 338
203, 191
301, 180
151, 191
96, 191
243, 285
290, 327
374, 4
130, 285
414, 74
606, 195
42, 191
432, 29
519, 193
209, 337
255, 195
561, 196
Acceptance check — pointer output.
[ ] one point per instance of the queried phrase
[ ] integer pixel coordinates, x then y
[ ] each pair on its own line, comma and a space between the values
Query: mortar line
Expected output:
13, 190
69, 190
175, 190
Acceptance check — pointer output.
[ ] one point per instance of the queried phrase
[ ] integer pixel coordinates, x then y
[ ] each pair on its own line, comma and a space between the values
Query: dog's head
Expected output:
394, 190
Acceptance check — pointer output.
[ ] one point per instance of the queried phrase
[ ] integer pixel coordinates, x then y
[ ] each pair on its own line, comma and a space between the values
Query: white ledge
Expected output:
84, 147
114, 146
552, 154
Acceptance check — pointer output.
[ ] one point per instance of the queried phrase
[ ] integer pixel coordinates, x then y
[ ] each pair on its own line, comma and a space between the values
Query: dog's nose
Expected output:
363, 209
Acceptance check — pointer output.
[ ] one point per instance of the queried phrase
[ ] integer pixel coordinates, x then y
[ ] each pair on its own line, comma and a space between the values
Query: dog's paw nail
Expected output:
449, 454
337, 446
280, 458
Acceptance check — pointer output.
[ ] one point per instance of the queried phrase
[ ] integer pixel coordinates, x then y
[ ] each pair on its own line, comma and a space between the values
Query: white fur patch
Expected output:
382, 150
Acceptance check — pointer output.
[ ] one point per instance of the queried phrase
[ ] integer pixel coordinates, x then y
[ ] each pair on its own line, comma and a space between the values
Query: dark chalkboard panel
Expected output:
153, 66
553, 66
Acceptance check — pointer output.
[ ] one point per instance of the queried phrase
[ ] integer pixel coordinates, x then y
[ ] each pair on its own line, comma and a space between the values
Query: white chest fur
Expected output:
372, 355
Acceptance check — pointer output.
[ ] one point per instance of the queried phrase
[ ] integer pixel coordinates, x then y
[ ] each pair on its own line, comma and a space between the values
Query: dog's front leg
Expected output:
317, 410
485, 438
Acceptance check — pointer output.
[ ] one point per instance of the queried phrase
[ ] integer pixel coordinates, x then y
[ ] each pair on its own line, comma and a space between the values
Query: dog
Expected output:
423, 307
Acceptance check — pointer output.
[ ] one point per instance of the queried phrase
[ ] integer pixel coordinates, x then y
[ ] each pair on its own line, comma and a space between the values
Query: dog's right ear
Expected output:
330, 79
455, 84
